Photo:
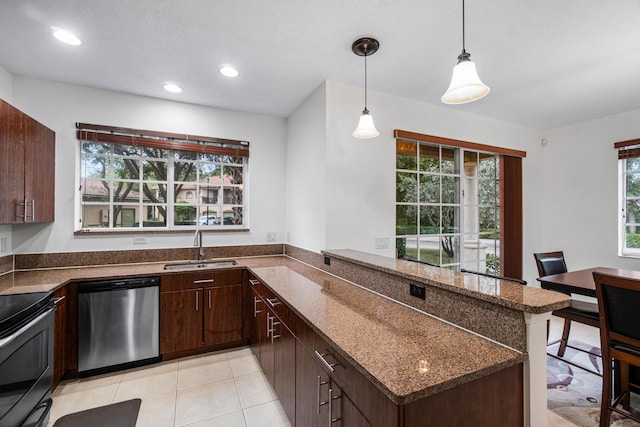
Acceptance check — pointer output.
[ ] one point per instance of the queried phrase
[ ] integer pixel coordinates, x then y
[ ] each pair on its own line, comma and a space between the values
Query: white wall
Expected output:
307, 173
60, 106
6, 94
575, 192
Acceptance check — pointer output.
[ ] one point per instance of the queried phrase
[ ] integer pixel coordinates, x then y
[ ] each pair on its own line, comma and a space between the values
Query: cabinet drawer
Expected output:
178, 282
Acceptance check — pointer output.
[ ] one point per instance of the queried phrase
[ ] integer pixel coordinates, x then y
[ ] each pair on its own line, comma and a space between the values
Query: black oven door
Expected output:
26, 372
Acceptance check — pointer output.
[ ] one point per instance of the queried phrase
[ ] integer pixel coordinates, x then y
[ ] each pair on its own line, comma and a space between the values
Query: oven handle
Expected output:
7, 340
47, 405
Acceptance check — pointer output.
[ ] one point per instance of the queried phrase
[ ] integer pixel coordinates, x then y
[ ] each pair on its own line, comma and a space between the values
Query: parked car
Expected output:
225, 221
208, 220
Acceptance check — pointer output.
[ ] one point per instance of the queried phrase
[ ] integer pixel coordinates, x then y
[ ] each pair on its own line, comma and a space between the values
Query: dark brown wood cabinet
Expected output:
27, 168
200, 312
60, 323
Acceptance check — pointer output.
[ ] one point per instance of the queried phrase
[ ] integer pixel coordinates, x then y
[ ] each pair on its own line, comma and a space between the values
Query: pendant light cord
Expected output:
365, 80
463, 26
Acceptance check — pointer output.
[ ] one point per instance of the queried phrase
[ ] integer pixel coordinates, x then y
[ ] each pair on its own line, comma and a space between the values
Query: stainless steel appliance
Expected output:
118, 324
26, 359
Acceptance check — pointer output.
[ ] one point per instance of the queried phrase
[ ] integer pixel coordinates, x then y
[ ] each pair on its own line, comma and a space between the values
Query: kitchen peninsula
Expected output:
414, 361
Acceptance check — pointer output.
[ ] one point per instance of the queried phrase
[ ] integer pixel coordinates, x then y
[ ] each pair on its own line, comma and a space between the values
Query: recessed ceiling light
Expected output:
229, 71
66, 36
170, 87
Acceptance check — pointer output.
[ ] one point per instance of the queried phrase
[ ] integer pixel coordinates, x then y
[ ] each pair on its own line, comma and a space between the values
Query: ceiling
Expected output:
549, 63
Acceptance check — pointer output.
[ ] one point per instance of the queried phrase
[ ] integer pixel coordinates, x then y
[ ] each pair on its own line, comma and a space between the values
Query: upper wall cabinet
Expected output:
27, 168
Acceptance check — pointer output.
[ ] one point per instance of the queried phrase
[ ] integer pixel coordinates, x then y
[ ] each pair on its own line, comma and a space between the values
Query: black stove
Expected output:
16, 309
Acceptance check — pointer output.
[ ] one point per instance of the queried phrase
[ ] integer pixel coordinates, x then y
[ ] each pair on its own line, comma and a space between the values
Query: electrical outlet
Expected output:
382, 242
417, 291
4, 245
271, 236
327, 260
138, 240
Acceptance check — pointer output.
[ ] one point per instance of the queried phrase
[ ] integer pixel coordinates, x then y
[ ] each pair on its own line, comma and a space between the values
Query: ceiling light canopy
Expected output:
65, 36
365, 46
465, 84
172, 87
229, 71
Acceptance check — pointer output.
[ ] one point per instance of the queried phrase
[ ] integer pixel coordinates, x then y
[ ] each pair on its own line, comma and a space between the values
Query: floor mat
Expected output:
574, 393
122, 414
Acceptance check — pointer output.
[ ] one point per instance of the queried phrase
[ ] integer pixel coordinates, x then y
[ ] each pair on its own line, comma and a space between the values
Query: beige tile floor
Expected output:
217, 389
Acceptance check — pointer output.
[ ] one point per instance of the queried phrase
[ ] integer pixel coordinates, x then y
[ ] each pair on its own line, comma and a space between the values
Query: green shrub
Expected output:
633, 240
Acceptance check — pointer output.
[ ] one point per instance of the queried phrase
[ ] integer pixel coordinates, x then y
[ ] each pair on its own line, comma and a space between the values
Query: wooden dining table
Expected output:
581, 281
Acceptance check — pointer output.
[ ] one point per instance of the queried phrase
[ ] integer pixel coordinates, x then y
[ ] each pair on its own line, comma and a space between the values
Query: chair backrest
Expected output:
549, 263
618, 302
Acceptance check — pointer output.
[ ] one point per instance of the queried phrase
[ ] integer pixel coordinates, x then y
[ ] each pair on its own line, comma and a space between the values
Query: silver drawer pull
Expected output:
197, 300
319, 403
331, 399
254, 282
195, 282
273, 302
256, 300
324, 361
273, 334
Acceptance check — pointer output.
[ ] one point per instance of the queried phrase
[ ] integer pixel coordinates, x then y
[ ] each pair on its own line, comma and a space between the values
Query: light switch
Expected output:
4, 245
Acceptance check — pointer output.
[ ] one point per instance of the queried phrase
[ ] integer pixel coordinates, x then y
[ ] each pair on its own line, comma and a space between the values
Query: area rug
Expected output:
574, 393
122, 414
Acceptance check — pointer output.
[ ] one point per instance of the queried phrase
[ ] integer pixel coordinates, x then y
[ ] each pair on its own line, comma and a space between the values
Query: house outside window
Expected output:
447, 206
151, 182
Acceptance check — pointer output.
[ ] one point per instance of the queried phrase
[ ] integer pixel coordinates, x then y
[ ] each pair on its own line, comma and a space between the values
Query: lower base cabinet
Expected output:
318, 388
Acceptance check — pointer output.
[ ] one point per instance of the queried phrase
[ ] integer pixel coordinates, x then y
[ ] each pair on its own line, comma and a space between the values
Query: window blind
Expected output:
628, 149
163, 140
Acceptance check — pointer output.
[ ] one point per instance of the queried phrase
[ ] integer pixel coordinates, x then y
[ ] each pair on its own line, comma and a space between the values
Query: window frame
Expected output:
208, 155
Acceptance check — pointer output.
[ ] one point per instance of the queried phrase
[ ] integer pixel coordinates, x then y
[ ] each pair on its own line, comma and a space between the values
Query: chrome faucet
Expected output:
197, 241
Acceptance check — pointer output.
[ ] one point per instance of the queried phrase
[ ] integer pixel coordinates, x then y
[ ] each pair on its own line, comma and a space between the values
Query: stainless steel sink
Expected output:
199, 264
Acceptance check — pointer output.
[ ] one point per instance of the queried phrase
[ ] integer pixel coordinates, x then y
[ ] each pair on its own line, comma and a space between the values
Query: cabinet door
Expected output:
39, 171
312, 391
59, 335
223, 314
267, 354
12, 137
257, 307
180, 320
343, 410
284, 370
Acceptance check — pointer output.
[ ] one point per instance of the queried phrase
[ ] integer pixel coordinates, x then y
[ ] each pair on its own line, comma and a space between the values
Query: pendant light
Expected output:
465, 84
365, 46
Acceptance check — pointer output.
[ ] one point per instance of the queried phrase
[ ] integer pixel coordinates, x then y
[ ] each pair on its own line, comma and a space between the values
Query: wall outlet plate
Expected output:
139, 240
271, 236
417, 291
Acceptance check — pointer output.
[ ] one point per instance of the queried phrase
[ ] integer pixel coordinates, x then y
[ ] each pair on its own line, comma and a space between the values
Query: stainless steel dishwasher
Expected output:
118, 324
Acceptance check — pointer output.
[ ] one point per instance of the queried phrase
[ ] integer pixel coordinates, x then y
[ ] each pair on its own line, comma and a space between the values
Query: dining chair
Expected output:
618, 299
585, 312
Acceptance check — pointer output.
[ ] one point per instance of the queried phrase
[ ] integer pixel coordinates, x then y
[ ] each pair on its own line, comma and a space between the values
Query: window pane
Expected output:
125, 168
429, 158
233, 174
185, 171
185, 193
633, 165
126, 192
488, 192
448, 162
488, 166
406, 220
154, 153
96, 147
154, 216
232, 196
429, 188
633, 211
155, 192
94, 190
126, 150
126, 216
488, 219
406, 155
429, 219
633, 185
450, 219
155, 170
185, 155
406, 187
470, 163
95, 167
95, 216
184, 214
633, 236
450, 191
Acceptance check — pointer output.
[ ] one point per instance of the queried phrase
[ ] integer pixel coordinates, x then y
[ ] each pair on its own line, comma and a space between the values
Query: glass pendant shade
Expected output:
465, 85
366, 129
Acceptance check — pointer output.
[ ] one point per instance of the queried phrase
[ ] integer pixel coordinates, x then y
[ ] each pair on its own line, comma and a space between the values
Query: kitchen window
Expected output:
629, 197
146, 180
449, 209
